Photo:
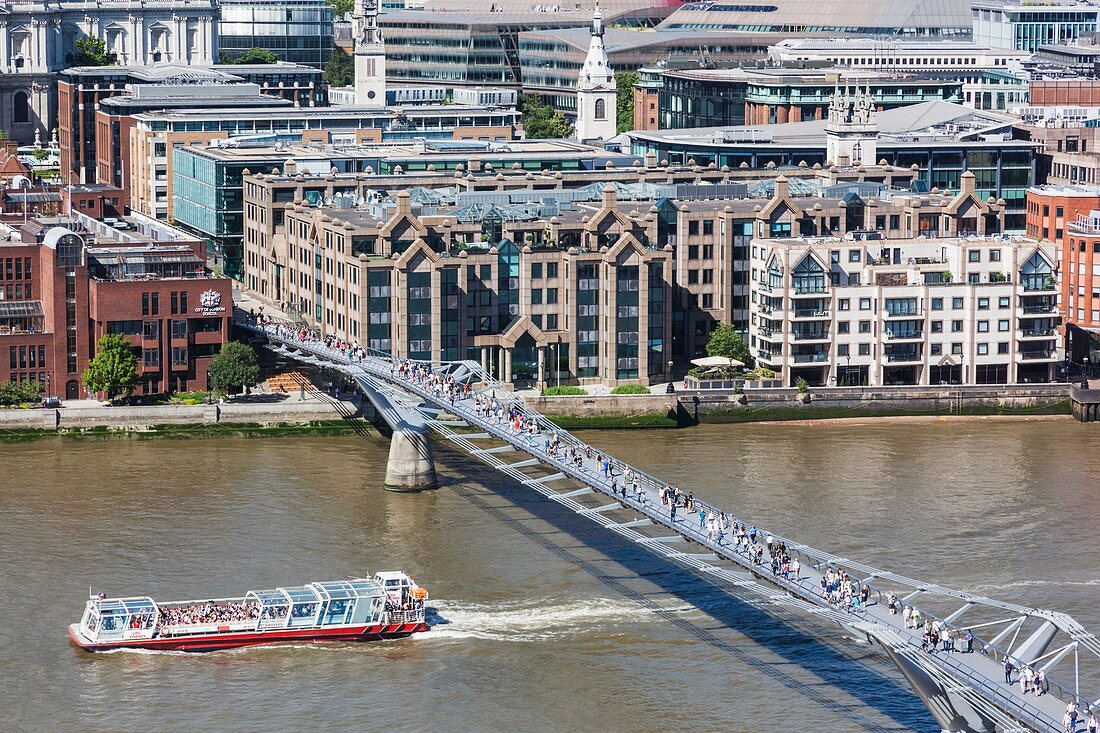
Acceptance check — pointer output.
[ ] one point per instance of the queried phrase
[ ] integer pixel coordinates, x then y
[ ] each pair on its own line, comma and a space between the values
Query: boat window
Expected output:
338, 612
274, 608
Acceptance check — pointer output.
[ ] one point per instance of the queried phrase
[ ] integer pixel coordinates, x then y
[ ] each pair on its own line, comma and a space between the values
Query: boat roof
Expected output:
335, 590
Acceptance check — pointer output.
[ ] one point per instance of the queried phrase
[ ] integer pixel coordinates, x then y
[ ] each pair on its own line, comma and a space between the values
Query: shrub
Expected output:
566, 390
630, 389
802, 385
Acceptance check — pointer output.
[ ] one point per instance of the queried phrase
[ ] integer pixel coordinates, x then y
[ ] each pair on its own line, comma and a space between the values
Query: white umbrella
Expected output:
716, 361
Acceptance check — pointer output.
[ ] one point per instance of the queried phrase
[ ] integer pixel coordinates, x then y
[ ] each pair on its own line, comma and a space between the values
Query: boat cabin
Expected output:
331, 603
119, 618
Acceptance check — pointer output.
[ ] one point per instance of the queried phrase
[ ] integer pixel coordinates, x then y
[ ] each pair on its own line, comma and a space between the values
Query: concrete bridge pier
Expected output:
410, 466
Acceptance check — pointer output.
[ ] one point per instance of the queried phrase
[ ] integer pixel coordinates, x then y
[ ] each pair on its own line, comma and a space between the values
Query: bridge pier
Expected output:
410, 466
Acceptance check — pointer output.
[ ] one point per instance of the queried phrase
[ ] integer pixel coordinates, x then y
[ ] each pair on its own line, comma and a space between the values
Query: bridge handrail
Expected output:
489, 384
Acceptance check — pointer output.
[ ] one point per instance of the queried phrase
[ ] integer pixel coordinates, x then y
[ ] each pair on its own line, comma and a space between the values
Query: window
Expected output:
935, 349
551, 269
956, 348
854, 255
842, 350
708, 226
536, 296
179, 329
1002, 302
601, 109
551, 296
708, 277
983, 326
693, 251
179, 355
865, 327
145, 304
842, 327
552, 322
956, 303
937, 304
843, 304
865, 349
983, 304
937, 326
693, 277
956, 326
693, 228
865, 304
1002, 325
1002, 348
151, 357
974, 255
983, 349
536, 270
994, 255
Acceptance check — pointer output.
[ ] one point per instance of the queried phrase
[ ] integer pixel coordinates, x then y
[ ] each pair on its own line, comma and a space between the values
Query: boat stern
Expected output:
78, 638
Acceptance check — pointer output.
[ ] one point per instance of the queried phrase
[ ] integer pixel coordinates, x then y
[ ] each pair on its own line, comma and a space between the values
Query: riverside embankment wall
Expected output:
138, 419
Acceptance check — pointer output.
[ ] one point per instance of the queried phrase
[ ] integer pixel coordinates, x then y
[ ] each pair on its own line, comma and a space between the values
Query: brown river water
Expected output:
545, 621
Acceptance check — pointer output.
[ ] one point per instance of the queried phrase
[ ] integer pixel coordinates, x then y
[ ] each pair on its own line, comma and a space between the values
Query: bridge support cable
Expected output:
966, 689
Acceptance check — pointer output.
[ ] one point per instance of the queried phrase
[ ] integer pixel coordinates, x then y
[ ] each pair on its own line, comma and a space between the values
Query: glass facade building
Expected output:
299, 31
1026, 27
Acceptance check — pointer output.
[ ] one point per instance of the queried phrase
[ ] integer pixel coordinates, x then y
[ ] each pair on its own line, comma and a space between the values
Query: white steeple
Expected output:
370, 54
851, 131
596, 90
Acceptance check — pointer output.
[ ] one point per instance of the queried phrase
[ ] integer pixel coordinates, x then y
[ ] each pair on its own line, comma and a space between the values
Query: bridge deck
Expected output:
977, 676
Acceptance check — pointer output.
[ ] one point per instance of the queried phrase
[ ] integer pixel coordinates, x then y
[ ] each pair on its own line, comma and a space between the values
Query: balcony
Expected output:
769, 356
904, 313
1038, 309
904, 335
905, 357
816, 358
1038, 284
808, 290
1031, 333
1037, 354
810, 335
810, 313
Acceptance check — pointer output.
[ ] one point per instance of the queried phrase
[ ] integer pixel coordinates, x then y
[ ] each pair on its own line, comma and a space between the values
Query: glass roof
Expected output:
797, 187
271, 597
126, 605
492, 212
20, 308
302, 594
625, 191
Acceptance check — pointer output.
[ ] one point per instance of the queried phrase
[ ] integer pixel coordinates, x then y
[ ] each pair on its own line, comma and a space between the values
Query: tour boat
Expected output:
389, 606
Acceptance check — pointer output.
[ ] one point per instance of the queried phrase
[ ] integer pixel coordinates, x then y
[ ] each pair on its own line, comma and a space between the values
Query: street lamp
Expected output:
847, 370
1085, 379
671, 388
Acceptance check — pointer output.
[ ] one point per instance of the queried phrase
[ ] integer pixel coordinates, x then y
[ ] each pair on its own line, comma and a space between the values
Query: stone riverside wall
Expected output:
1086, 404
685, 407
145, 418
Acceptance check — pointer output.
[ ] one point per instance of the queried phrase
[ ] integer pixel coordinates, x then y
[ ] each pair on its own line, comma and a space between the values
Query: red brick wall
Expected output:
1054, 92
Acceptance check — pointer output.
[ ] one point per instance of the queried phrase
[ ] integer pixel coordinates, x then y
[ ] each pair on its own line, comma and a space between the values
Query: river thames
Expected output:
547, 623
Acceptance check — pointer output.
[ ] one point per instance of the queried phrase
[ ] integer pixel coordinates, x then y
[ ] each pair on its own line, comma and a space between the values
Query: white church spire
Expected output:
370, 54
596, 90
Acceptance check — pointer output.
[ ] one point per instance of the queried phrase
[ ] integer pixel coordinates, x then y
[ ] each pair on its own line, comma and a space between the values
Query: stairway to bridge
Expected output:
963, 691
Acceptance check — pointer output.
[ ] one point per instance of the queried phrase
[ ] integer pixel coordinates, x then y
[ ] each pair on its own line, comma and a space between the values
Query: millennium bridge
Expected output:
962, 691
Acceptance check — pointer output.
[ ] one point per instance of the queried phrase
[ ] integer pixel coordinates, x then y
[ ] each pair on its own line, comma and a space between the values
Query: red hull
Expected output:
231, 640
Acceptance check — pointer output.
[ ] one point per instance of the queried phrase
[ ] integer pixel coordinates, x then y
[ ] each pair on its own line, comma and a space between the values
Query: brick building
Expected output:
64, 282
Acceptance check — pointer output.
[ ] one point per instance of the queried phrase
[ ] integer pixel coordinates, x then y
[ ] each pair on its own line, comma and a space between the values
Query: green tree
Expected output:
234, 366
624, 100
93, 52
40, 154
724, 341
256, 55
19, 393
341, 7
540, 120
340, 70
114, 367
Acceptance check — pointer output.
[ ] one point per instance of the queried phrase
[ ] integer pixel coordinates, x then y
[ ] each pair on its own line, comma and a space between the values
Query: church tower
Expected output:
596, 92
370, 54
851, 132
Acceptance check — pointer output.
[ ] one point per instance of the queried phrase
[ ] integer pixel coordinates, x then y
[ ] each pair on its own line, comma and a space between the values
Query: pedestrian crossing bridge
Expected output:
963, 691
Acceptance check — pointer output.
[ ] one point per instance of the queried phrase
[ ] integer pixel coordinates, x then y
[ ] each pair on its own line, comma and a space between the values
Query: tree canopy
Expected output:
19, 393
340, 70
114, 367
624, 100
92, 51
256, 55
341, 7
234, 366
725, 341
540, 120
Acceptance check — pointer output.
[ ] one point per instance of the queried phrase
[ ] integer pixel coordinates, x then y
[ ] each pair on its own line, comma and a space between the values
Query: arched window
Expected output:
21, 109
601, 109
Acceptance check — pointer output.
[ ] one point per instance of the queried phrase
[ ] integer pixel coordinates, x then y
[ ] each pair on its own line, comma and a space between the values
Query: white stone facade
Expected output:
37, 39
914, 311
596, 91
370, 54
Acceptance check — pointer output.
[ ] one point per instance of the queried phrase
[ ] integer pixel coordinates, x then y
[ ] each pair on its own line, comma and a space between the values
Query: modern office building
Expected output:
84, 91
551, 61
477, 43
69, 280
941, 140
298, 31
37, 40
1025, 26
922, 18
155, 134
991, 78
719, 97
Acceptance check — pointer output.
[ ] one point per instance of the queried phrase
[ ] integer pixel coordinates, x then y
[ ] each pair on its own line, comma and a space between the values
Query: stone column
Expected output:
485, 359
542, 365
410, 466
507, 366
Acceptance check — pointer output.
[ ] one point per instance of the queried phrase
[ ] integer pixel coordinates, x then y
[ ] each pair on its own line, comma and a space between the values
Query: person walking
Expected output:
1009, 669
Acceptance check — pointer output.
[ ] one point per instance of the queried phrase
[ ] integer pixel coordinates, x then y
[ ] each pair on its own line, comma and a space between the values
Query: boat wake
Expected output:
988, 587
532, 620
